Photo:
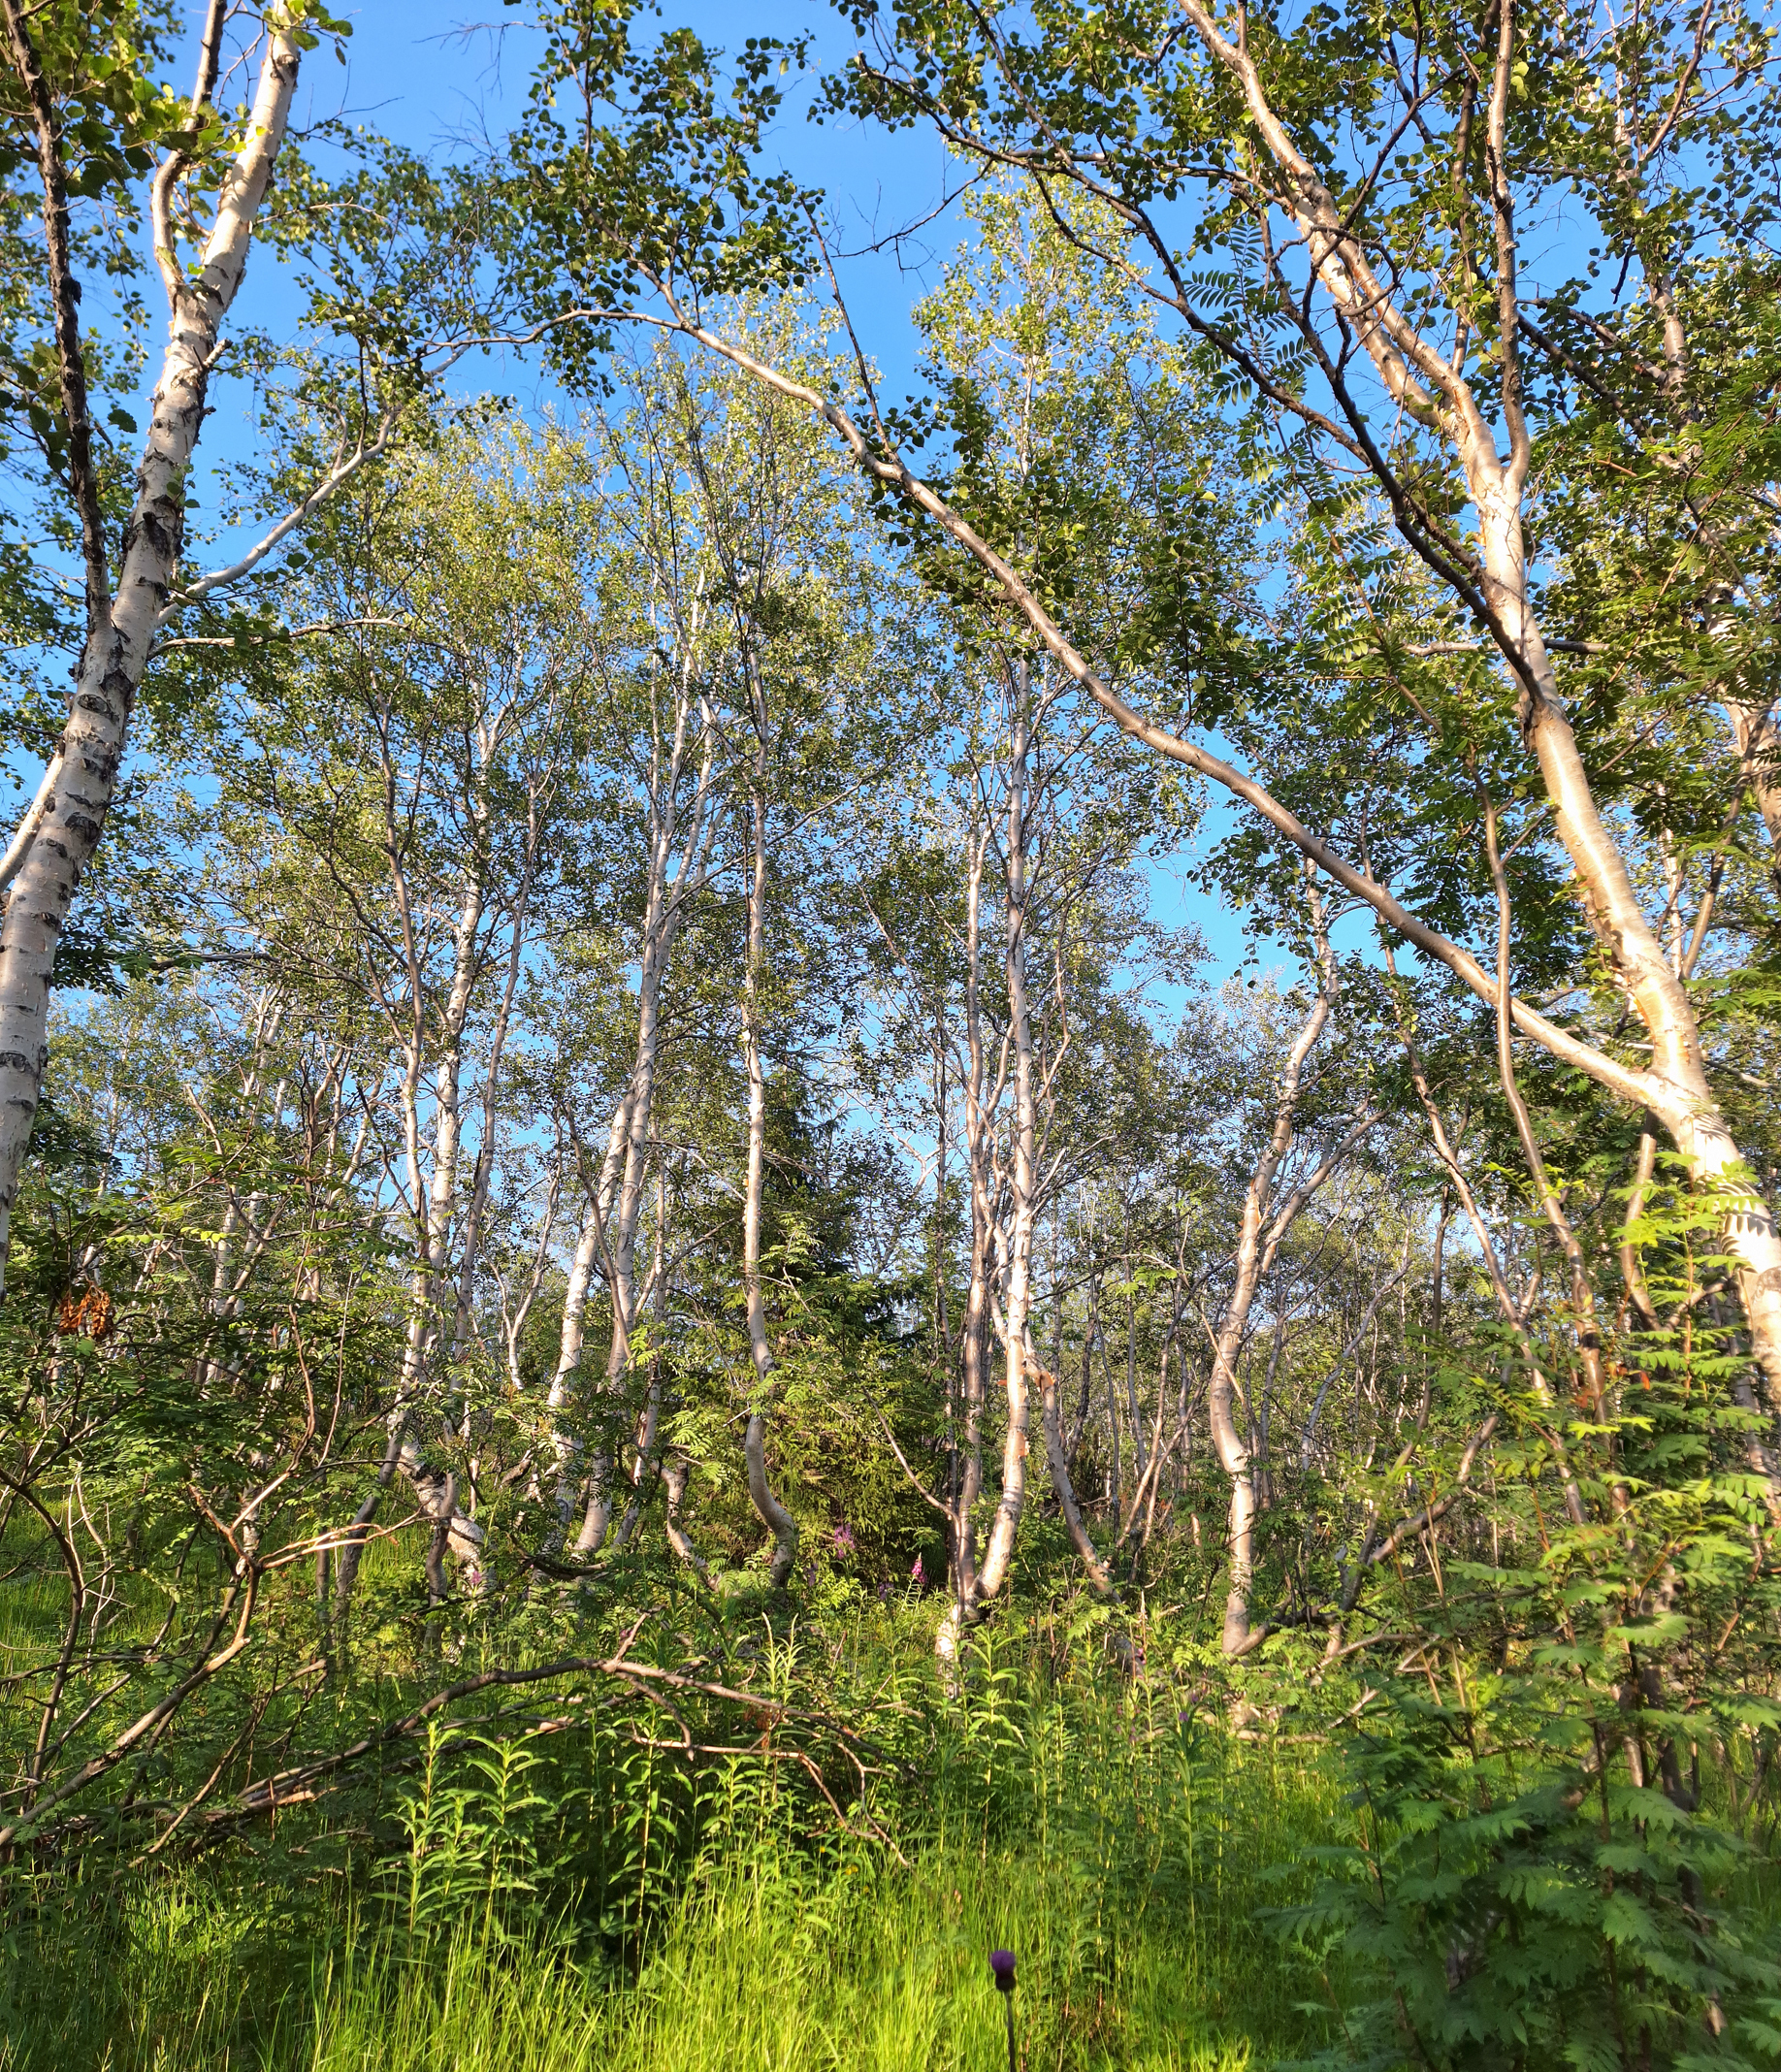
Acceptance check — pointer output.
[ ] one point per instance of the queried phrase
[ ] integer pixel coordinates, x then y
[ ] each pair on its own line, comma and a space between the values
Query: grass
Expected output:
761, 1974
759, 1968
578, 1894
1119, 1853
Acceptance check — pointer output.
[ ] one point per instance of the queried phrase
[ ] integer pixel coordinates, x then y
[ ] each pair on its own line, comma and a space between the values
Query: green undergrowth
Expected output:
760, 1967
1119, 1846
1363, 1880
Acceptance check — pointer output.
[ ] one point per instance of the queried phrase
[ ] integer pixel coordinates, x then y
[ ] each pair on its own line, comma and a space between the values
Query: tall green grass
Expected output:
764, 1972
1117, 1846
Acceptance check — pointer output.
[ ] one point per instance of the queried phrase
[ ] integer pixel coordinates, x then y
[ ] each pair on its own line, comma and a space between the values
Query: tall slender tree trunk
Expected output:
122, 626
1223, 1395
434, 1201
1017, 1253
772, 1513
571, 1333
609, 1232
974, 1333
649, 1421
621, 1238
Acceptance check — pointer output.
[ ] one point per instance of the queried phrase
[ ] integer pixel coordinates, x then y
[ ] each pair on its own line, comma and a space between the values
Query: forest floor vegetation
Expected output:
1125, 1849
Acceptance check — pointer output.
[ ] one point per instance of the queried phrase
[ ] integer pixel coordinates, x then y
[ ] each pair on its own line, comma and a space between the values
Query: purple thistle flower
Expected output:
1001, 1963
1003, 1967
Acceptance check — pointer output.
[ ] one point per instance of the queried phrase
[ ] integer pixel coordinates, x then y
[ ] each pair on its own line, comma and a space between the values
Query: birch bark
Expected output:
1252, 1251
1017, 1246
121, 624
978, 1150
649, 1421
433, 1200
1001, 1248
1676, 1088
1430, 389
677, 853
772, 1513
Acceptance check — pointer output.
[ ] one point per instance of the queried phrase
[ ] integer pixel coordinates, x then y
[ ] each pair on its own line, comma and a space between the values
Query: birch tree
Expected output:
659, 735
123, 609
1391, 332
422, 757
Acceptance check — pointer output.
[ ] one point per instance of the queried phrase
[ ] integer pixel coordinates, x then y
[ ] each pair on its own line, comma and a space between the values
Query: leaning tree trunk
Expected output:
621, 1250
1427, 387
617, 1238
121, 626
1432, 389
1057, 1460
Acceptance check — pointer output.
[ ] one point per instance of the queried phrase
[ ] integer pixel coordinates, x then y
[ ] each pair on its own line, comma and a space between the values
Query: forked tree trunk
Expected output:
1255, 1248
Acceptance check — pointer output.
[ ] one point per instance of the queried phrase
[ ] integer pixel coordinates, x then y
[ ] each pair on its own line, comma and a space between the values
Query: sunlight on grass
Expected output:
776, 1968
764, 1976
1115, 1844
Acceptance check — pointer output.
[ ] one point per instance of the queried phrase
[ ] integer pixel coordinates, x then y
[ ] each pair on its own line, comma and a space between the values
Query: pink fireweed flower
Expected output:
918, 1576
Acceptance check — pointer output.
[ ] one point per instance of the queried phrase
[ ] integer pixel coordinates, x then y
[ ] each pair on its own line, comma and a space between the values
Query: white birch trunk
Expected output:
609, 1235
1434, 391
619, 1245
1252, 1253
1018, 1250
571, 1335
649, 1422
974, 1333
115, 655
772, 1513
434, 1199
1430, 389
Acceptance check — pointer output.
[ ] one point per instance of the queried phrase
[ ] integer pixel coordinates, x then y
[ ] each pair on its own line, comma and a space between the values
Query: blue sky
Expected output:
441, 82
435, 83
